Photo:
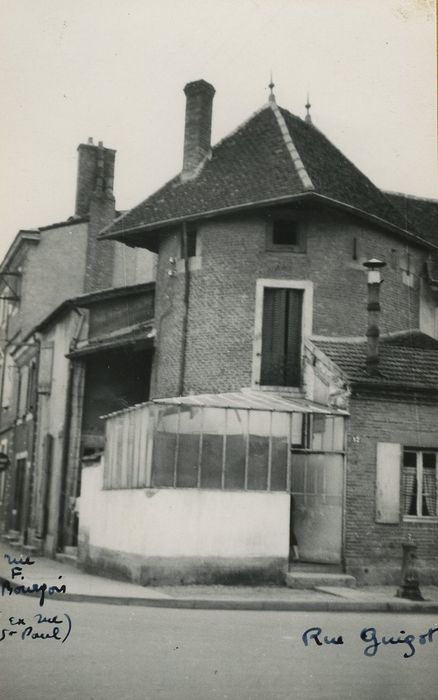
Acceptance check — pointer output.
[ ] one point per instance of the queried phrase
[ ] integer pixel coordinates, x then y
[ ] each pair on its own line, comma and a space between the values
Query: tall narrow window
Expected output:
281, 337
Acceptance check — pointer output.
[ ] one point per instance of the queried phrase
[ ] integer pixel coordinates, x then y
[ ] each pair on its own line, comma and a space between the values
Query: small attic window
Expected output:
284, 234
192, 241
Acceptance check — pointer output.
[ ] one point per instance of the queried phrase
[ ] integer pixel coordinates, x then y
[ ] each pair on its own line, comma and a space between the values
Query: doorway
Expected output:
316, 506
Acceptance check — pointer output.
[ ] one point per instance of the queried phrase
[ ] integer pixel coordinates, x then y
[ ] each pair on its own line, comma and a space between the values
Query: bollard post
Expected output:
409, 586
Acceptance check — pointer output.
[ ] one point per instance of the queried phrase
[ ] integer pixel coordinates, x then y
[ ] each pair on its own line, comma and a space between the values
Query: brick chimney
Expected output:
95, 175
373, 331
197, 133
95, 198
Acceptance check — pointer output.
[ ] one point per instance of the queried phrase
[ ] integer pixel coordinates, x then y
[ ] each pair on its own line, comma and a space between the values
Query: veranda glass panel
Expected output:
258, 455
190, 426
298, 420
327, 433
237, 430
279, 450
212, 447
165, 442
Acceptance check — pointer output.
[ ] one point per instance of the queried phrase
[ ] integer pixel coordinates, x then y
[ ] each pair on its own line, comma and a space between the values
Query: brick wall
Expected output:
99, 264
169, 308
373, 550
222, 293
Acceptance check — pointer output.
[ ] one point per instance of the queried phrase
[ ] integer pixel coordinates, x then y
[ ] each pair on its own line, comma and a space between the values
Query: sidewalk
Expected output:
82, 587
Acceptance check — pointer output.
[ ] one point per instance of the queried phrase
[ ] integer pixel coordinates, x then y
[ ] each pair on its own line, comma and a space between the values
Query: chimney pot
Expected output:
90, 140
197, 131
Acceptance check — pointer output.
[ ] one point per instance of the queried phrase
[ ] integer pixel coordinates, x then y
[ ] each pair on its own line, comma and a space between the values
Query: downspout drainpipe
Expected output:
66, 439
185, 320
34, 442
5, 354
9, 502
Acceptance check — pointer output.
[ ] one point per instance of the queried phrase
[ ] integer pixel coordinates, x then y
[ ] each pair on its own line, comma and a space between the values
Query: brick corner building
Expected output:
288, 404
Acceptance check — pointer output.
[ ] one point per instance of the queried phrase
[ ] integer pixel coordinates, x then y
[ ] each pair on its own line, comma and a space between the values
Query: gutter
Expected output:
28, 514
143, 228
384, 387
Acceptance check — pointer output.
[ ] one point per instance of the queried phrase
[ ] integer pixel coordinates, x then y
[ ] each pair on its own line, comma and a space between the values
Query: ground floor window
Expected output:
420, 482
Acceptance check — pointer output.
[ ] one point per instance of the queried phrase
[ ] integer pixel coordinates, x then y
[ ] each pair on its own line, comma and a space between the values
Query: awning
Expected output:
142, 336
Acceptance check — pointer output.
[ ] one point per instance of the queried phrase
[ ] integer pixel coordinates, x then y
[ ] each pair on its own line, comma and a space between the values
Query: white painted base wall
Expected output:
183, 522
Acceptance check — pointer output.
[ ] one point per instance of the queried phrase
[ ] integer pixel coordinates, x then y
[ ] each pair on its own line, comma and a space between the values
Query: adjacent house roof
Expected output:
274, 157
139, 335
419, 213
90, 298
408, 360
422, 214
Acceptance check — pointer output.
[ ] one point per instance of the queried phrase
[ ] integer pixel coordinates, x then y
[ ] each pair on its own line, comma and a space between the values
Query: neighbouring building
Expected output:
274, 408
47, 279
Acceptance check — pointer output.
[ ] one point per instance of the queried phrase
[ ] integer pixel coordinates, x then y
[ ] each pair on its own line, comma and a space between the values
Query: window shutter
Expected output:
45, 368
293, 341
24, 377
8, 382
273, 337
281, 337
388, 482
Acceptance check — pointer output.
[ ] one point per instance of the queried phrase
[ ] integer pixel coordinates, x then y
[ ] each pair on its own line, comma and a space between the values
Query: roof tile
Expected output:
411, 361
253, 165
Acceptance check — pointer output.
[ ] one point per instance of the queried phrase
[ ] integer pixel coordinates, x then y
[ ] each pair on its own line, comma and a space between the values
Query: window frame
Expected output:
419, 471
270, 246
306, 286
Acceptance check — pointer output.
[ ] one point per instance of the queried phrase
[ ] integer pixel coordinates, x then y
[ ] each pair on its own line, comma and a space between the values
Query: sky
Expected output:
115, 70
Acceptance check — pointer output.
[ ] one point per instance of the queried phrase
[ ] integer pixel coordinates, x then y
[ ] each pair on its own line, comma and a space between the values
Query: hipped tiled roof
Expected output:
273, 157
409, 361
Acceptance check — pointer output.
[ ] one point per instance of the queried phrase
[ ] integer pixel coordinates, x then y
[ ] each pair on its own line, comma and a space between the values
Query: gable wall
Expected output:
222, 293
53, 272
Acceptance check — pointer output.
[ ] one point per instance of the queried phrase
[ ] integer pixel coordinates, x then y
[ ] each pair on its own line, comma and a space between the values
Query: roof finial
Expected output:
271, 87
308, 117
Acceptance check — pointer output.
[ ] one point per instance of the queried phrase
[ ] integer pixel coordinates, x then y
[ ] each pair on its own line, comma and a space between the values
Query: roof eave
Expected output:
165, 223
23, 236
384, 223
384, 386
86, 300
128, 234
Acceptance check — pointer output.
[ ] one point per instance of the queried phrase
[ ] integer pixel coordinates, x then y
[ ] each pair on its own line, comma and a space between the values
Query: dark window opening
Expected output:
281, 337
192, 241
285, 232
355, 249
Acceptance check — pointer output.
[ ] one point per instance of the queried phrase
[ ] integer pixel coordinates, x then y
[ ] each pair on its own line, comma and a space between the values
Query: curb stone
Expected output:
337, 605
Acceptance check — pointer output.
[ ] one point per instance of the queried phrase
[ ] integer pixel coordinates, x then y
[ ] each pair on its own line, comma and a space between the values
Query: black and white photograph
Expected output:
218, 350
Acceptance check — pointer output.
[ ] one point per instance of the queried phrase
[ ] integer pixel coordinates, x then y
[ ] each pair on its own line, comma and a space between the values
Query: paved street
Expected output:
135, 653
